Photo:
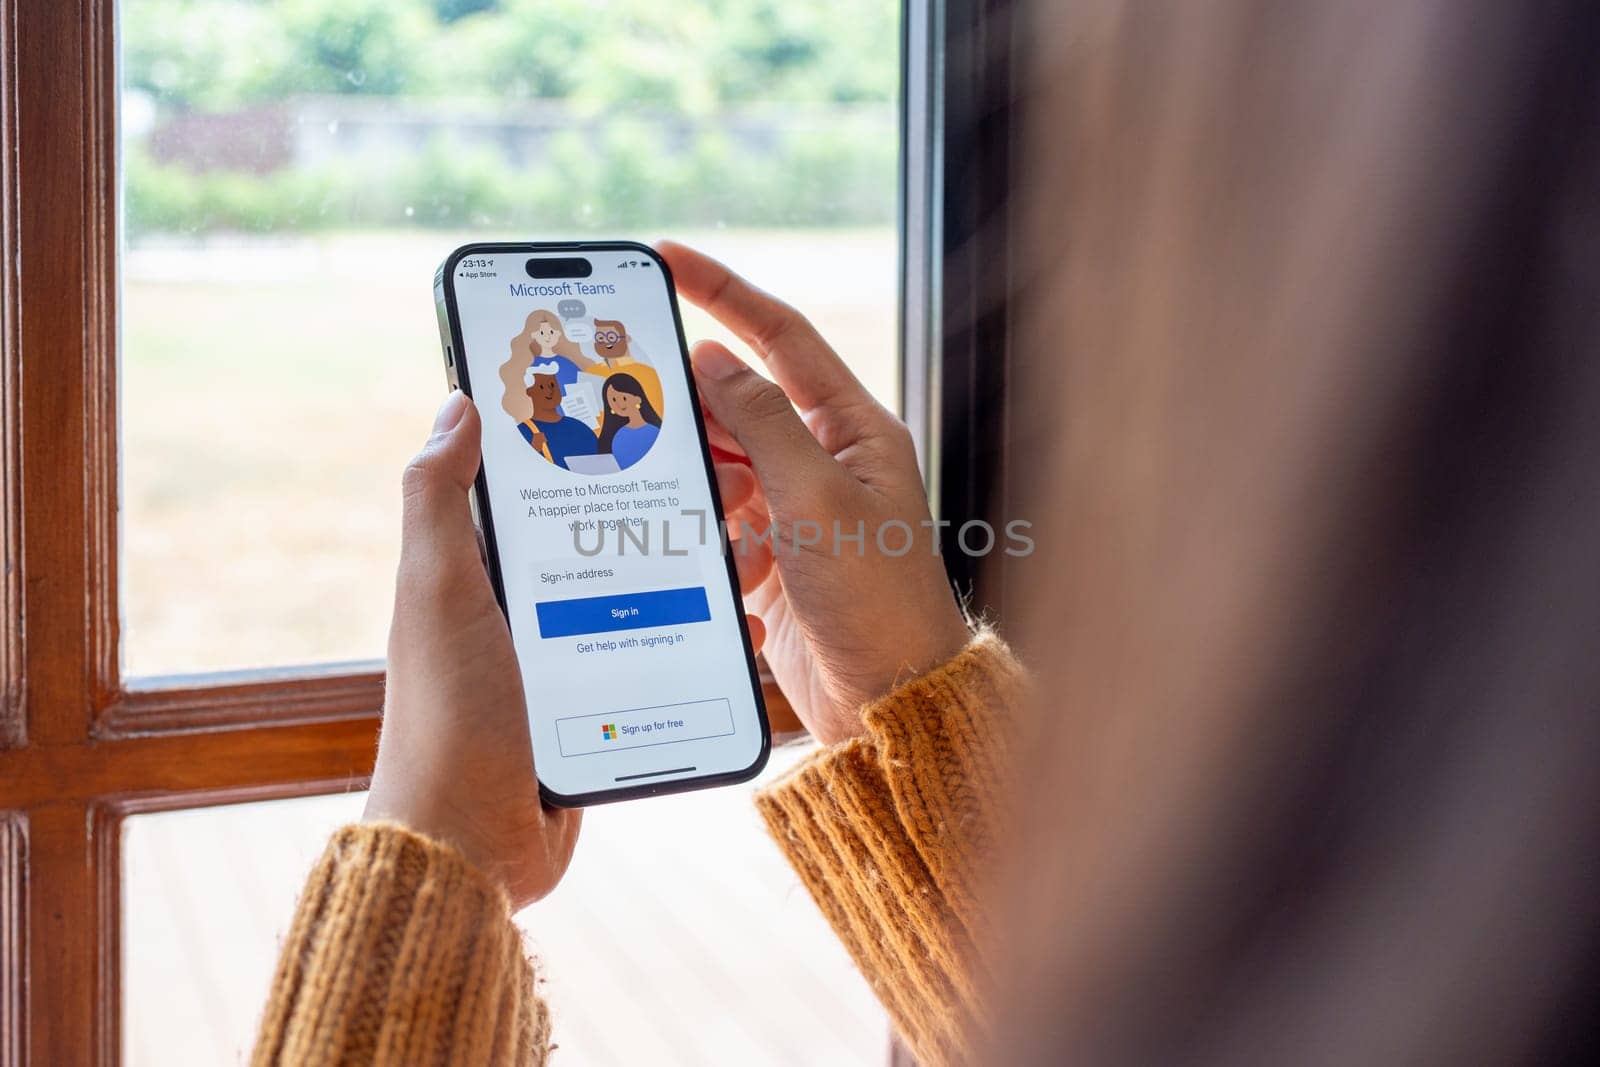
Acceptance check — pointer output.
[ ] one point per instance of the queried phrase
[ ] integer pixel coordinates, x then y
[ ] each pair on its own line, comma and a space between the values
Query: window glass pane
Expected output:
293, 172
680, 936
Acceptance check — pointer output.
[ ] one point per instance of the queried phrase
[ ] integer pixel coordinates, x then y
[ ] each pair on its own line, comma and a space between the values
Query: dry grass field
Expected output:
273, 390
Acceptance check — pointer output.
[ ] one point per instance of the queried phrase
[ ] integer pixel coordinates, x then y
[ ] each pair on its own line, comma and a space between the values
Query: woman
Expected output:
403, 951
1310, 773
543, 340
631, 424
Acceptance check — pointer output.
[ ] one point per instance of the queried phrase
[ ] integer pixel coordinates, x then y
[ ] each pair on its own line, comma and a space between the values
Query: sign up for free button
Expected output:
622, 611
584, 735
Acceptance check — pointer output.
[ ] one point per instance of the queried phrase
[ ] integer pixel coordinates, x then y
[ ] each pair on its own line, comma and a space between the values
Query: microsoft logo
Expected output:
609, 731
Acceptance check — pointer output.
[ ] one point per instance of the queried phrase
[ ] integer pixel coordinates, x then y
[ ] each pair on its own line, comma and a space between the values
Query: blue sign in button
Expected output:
623, 611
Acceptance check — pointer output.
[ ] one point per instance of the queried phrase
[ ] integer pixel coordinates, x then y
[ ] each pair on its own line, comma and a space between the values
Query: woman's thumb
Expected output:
787, 459
436, 516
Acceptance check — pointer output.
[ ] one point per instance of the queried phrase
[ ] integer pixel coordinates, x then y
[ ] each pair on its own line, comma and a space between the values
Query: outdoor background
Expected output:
293, 172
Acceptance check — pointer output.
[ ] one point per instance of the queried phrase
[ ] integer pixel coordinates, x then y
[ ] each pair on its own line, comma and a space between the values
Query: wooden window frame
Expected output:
81, 748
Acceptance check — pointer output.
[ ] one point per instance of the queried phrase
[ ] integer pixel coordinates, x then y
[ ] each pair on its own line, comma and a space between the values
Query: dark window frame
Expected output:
957, 269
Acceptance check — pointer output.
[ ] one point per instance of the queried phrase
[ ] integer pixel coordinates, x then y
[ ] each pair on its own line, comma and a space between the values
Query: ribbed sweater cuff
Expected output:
889, 831
401, 952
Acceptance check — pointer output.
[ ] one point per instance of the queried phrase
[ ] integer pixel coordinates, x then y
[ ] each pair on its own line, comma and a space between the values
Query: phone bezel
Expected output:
457, 373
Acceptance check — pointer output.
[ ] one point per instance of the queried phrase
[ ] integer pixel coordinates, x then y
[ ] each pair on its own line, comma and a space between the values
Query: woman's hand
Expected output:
845, 619
454, 760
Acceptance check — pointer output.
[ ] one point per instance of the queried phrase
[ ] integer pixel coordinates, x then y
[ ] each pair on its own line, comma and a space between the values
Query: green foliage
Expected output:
821, 76
446, 186
843, 51
450, 10
211, 56
376, 47
620, 177
171, 199
525, 49
683, 53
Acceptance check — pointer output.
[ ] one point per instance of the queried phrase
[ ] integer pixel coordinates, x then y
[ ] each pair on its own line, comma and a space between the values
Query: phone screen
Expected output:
600, 513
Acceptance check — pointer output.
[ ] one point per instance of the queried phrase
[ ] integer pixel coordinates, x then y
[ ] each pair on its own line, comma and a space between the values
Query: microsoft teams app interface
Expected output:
625, 622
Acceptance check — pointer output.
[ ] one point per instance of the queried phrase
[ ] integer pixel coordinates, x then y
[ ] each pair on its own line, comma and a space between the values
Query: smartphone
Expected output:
601, 519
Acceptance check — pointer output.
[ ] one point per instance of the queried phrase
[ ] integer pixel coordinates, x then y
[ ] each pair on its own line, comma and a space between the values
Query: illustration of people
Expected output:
553, 435
548, 341
543, 340
611, 345
631, 423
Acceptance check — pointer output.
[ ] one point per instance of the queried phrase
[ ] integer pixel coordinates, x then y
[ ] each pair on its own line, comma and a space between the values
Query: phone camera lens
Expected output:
575, 267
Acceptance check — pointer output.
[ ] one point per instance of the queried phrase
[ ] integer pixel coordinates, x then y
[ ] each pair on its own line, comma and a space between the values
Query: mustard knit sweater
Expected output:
402, 953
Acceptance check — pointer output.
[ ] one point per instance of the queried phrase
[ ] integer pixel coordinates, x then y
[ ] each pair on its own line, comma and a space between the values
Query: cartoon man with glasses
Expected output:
611, 345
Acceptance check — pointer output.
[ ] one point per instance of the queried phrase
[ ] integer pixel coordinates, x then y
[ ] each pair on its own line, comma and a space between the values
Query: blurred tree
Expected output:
376, 47
841, 51
450, 10
527, 49
688, 111
212, 56
689, 55
651, 54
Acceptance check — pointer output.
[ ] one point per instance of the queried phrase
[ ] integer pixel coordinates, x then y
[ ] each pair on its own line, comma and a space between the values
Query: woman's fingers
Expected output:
807, 368
723, 444
737, 485
758, 632
752, 559
744, 507
791, 465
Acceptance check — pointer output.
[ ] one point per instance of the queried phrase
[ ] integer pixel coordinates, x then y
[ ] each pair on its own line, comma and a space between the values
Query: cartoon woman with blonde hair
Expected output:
543, 340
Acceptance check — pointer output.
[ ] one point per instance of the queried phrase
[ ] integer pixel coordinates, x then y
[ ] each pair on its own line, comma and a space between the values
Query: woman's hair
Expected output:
609, 426
523, 351
1306, 376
